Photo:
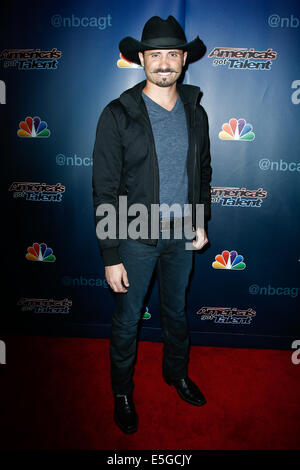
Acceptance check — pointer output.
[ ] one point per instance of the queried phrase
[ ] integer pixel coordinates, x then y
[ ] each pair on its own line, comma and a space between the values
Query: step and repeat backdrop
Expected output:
59, 66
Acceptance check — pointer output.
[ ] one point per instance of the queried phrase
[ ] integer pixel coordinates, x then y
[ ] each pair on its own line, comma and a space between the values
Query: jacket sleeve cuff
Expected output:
110, 256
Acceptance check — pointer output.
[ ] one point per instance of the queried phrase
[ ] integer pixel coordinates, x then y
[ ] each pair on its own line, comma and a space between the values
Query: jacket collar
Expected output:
188, 94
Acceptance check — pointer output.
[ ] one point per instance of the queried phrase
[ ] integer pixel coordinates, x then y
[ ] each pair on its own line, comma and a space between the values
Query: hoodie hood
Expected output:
187, 93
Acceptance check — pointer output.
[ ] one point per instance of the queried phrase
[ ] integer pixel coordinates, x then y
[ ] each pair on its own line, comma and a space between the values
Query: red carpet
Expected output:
56, 395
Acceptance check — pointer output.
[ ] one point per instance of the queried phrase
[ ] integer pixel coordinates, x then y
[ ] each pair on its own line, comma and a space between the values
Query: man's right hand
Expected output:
115, 275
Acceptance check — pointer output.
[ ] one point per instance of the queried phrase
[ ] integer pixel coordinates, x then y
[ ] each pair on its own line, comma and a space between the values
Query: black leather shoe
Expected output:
187, 390
125, 415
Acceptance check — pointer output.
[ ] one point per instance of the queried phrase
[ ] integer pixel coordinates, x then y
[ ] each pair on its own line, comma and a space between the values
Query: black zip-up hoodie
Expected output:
125, 161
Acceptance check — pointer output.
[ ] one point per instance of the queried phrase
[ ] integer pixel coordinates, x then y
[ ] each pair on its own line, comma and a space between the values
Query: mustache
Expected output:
163, 71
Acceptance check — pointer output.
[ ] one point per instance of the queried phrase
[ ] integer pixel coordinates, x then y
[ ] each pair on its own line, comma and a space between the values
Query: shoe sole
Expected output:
126, 430
196, 403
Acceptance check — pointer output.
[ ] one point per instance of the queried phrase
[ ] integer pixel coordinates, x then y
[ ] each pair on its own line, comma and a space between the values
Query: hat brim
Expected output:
129, 48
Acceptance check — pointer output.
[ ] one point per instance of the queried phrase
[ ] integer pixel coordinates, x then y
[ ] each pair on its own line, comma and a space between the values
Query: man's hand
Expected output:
115, 275
201, 238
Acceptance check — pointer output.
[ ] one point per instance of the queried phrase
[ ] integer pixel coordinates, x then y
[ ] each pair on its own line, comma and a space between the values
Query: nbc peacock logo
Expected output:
237, 129
229, 260
127, 64
33, 127
40, 252
147, 314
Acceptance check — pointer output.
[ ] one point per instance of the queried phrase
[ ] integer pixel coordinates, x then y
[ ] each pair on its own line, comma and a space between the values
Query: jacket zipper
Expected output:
154, 158
195, 157
155, 167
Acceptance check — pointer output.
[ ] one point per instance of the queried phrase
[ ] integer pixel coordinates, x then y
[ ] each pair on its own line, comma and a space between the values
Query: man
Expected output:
152, 146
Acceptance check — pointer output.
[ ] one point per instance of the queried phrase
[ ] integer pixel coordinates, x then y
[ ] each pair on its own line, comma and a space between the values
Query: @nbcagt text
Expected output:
156, 459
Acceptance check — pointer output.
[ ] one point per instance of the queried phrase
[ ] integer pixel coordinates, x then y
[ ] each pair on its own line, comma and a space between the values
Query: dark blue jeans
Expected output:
174, 268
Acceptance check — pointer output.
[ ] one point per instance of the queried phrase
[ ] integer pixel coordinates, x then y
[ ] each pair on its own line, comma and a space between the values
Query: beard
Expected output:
165, 82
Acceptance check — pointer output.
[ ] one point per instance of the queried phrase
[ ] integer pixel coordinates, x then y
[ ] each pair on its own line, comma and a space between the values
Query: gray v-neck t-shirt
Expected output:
171, 143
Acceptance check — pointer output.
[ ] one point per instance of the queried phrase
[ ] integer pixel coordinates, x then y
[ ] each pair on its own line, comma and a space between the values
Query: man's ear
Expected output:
141, 57
184, 57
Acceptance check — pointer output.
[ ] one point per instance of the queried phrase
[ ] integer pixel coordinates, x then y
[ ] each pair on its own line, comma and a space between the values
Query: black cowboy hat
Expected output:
161, 34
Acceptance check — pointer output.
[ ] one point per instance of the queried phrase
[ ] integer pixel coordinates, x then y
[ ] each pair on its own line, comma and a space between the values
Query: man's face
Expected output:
163, 66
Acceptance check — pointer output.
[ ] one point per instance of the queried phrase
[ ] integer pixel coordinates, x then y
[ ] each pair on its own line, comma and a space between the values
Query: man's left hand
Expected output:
201, 238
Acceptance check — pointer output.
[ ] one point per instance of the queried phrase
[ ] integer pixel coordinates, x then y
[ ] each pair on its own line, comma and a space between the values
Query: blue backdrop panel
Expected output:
60, 65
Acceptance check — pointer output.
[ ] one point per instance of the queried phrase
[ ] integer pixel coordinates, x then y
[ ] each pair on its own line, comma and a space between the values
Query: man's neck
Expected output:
165, 96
